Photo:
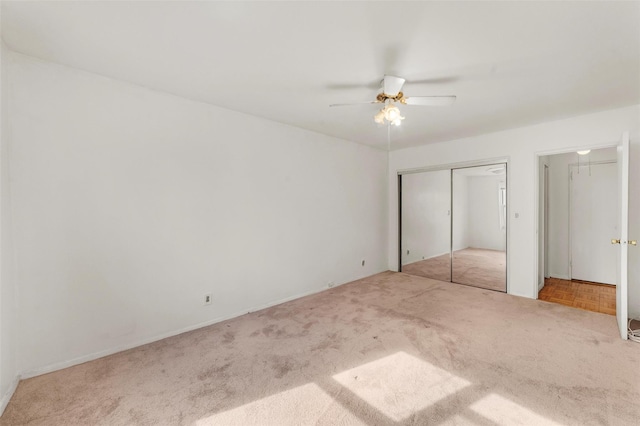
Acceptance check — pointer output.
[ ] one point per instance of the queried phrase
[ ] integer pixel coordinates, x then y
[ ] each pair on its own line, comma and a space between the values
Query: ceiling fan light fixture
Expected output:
391, 95
391, 112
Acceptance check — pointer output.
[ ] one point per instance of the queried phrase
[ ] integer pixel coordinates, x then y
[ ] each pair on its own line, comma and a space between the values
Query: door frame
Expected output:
536, 195
620, 142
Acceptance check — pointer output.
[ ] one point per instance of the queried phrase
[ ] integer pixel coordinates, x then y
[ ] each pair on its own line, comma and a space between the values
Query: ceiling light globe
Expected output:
391, 112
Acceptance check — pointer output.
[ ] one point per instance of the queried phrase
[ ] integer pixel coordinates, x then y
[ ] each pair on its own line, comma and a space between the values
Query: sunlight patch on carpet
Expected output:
504, 411
400, 384
307, 402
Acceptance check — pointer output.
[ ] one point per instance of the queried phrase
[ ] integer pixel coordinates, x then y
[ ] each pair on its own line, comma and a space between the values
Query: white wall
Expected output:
8, 366
522, 147
484, 209
425, 215
130, 205
559, 208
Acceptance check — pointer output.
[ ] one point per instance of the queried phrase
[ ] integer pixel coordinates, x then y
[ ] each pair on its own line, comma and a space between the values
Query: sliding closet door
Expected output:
425, 238
479, 224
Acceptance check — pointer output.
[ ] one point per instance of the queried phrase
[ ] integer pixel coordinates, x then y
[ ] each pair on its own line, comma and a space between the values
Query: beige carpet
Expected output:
472, 266
438, 268
386, 350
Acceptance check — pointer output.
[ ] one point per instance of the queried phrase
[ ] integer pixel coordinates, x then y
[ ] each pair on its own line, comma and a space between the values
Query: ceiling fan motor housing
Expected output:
383, 97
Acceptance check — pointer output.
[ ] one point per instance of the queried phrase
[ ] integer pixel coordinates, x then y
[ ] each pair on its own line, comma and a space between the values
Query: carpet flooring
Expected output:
471, 266
437, 268
390, 349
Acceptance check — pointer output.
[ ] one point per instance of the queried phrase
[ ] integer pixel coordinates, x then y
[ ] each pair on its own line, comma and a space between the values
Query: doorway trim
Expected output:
536, 197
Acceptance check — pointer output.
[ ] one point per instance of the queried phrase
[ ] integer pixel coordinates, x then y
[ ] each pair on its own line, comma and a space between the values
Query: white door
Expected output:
593, 218
622, 237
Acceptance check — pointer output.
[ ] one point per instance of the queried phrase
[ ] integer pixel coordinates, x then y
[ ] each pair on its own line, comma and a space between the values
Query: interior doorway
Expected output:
577, 201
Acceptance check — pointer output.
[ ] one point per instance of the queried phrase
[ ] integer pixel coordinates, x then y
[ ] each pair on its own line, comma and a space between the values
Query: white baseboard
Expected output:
425, 258
93, 356
561, 276
8, 394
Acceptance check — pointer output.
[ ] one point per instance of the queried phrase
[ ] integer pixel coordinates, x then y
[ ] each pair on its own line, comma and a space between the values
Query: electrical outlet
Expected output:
207, 299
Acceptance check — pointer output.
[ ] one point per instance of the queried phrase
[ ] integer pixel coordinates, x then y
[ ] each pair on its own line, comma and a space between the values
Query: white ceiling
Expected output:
510, 63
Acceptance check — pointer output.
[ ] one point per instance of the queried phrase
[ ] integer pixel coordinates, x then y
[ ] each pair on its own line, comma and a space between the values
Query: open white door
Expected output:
622, 237
593, 221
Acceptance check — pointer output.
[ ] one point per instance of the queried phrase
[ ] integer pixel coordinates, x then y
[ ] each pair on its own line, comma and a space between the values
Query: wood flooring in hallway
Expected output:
579, 294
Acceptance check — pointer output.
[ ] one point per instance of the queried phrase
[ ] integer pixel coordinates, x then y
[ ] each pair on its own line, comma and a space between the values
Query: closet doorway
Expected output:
453, 225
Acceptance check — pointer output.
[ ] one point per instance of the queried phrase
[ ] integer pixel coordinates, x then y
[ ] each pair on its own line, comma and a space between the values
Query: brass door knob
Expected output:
614, 241
633, 242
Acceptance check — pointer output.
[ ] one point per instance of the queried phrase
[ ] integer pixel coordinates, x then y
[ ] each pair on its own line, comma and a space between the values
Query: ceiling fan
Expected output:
391, 94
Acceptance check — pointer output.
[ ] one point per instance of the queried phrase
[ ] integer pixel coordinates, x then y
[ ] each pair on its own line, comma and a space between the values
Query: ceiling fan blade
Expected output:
392, 85
356, 103
429, 100
373, 85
